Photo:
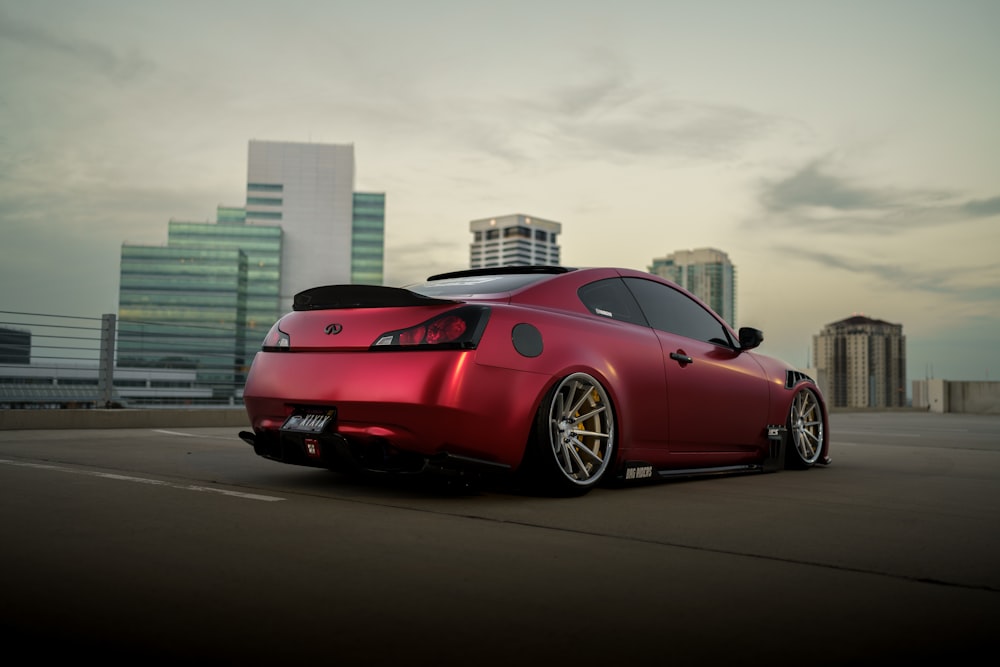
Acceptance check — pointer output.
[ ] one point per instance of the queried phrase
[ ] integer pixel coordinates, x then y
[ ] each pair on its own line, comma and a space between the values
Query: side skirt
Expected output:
773, 461
637, 471
702, 472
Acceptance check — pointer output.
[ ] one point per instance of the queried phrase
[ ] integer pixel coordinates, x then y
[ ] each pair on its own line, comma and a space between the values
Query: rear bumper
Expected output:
334, 452
429, 406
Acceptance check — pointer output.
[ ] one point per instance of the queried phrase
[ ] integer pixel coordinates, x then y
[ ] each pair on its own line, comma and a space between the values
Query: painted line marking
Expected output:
883, 435
181, 434
144, 480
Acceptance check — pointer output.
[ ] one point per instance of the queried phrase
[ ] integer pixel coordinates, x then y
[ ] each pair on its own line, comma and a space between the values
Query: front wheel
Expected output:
805, 428
575, 434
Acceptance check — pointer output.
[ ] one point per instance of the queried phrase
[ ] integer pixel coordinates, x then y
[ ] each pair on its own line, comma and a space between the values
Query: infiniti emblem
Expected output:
334, 329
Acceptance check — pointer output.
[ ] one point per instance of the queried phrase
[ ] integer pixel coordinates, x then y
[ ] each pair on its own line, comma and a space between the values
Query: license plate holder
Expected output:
310, 420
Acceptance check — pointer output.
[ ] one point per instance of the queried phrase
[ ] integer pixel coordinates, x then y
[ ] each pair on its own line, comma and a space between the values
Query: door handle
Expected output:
681, 358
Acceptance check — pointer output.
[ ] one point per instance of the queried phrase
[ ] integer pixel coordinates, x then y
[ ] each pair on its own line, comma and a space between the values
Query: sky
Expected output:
845, 154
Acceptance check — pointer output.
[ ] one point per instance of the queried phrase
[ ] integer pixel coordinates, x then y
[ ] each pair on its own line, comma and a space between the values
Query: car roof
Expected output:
539, 286
507, 281
492, 283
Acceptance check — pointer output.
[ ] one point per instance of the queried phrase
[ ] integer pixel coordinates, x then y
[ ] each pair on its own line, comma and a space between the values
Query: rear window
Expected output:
476, 285
611, 299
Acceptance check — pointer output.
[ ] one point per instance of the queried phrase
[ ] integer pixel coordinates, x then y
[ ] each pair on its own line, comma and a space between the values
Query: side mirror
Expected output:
750, 338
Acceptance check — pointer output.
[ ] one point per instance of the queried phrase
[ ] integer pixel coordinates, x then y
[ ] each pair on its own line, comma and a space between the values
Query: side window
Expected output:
674, 312
611, 299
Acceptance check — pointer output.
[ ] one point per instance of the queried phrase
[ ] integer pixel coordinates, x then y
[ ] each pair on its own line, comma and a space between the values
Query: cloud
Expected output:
74, 51
668, 129
816, 198
612, 122
964, 282
982, 209
605, 91
812, 187
413, 262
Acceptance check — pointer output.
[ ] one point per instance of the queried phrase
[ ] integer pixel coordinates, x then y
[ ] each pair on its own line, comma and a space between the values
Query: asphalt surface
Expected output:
180, 545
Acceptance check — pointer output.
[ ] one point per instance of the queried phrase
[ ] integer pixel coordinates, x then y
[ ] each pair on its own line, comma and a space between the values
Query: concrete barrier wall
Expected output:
125, 418
981, 398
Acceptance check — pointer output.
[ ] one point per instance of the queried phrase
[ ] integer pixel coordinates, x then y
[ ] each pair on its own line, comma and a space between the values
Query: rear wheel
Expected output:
805, 429
575, 434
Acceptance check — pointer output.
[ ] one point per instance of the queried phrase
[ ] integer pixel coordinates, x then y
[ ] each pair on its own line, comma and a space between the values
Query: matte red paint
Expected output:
482, 403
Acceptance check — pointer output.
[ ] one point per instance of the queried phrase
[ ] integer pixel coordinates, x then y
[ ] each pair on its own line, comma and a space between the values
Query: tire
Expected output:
574, 443
805, 430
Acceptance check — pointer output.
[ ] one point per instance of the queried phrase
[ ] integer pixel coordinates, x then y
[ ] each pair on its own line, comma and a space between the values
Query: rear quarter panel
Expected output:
625, 358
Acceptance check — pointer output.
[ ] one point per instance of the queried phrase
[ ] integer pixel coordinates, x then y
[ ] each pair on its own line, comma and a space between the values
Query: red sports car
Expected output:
574, 376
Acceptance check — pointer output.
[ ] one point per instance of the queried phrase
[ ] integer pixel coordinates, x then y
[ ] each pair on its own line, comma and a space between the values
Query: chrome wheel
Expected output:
805, 426
581, 430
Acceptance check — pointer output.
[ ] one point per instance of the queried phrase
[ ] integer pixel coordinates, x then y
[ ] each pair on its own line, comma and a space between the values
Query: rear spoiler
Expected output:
503, 271
332, 297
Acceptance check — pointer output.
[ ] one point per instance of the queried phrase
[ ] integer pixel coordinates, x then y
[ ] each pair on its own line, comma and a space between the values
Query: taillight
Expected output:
276, 340
457, 329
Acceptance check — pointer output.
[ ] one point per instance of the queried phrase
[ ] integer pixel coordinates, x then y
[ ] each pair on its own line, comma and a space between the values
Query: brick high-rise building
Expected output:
864, 361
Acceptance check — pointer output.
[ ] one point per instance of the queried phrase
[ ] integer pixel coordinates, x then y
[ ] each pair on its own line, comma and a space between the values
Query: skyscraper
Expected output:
206, 299
332, 235
262, 246
513, 240
705, 272
182, 307
864, 361
368, 238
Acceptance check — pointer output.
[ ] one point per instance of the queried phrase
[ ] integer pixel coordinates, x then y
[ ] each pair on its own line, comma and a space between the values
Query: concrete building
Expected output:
950, 396
77, 385
705, 272
331, 235
864, 360
514, 240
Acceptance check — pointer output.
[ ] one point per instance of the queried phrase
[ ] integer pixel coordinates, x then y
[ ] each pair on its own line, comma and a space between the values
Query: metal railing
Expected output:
60, 361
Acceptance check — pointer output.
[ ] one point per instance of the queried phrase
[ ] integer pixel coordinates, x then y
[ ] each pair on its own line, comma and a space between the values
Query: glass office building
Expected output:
208, 298
204, 301
262, 246
184, 308
705, 272
368, 238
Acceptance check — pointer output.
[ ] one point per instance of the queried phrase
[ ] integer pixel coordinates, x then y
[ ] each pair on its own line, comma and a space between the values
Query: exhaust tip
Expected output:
248, 437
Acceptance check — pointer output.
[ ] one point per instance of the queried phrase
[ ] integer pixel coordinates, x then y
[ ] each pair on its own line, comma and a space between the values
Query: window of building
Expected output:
521, 232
